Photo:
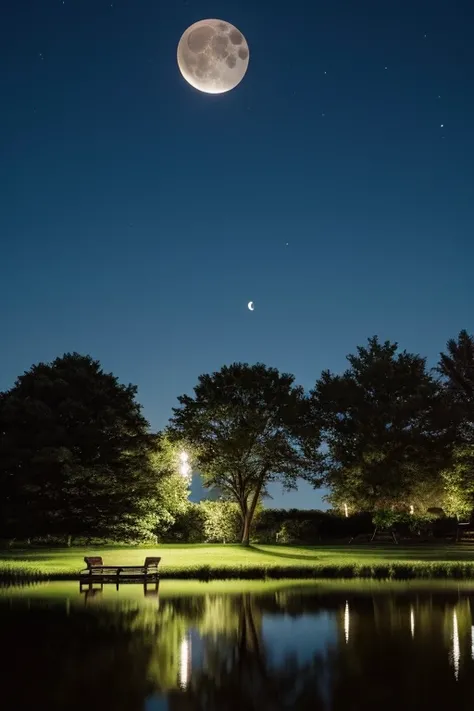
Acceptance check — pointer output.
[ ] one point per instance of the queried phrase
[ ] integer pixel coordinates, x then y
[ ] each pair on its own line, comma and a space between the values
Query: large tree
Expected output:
250, 425
384, 426
74, 453
457, 369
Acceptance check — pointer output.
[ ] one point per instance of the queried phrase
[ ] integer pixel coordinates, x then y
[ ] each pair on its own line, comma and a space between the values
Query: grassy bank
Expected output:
212, 562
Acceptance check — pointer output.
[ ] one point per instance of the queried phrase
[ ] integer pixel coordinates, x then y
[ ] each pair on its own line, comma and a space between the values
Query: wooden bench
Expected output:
96, 568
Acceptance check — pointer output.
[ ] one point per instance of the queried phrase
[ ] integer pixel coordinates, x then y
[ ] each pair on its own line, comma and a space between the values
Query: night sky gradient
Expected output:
138, 216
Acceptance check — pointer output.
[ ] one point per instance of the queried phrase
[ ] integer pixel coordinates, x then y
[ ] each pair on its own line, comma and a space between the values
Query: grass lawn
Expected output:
256, 562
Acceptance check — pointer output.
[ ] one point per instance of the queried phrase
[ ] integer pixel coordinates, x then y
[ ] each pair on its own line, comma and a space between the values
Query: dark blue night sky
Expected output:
139, 216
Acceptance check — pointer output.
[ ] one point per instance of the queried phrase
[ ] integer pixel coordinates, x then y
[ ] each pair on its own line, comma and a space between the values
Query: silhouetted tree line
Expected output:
389, 437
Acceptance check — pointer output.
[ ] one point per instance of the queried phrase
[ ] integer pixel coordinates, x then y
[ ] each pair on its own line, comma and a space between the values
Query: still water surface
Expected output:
241, 645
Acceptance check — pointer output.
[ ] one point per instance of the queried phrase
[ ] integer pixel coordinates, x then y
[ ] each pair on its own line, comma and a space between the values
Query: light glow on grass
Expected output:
212, 561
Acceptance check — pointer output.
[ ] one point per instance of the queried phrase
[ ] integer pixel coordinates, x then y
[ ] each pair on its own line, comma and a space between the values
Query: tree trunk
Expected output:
246, 529
247, 516
244, 515
69, 540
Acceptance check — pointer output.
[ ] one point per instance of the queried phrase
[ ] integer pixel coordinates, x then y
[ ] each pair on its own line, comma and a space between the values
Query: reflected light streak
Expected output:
412, 621
184, 663
472, 642
346, 622
456, 647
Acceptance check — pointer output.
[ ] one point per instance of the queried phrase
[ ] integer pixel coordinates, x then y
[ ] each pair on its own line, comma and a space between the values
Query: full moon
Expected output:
250, 306
213, 56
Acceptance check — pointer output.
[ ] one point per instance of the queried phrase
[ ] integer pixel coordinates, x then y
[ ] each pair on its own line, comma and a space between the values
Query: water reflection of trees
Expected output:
393, 651
236, 674
58, 661
410, 651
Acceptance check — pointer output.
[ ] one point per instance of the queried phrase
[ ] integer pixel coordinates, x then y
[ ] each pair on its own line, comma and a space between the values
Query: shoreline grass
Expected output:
258, 562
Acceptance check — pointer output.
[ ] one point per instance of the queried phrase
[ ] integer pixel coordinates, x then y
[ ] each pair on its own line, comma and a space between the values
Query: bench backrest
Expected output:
93, 560
151, 561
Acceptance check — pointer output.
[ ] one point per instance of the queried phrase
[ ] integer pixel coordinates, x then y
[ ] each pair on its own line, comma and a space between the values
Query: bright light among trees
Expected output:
185, 467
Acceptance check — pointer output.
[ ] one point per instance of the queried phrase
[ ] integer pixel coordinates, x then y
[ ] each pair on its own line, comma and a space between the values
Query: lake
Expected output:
240, 645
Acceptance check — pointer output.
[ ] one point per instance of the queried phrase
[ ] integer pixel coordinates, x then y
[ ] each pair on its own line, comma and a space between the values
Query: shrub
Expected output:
222, 521
188, 526
294, 531
406, 524
206, 522
308, 526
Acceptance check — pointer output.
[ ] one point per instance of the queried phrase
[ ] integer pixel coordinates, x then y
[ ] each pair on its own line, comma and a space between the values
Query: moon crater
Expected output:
236, 37
219, 46
213, 56
200, 38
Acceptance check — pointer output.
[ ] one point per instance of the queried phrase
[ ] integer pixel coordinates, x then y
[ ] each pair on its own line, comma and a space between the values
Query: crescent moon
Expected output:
213, 56
251, 306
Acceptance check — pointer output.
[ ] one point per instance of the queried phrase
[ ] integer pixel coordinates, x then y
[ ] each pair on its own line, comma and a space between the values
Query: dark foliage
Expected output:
74, 453
457, 368
386, 427
308, 526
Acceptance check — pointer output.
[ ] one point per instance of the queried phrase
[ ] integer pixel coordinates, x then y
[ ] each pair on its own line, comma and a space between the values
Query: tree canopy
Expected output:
457, 369
74, 452
249, 425
384, 426
77, 458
